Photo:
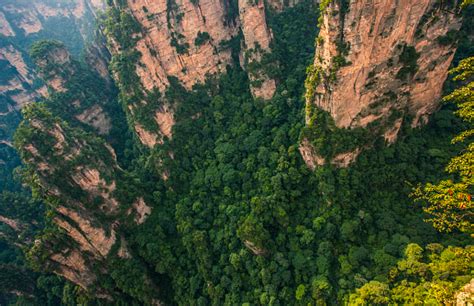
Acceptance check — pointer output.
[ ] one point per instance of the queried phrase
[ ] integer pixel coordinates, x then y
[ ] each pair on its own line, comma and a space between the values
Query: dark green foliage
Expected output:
240, 220
41, 49
181, 48
7, 71
329, 140
201, 38
121, 26
408, 58
232, 11
237, 187
237, 176
448, 39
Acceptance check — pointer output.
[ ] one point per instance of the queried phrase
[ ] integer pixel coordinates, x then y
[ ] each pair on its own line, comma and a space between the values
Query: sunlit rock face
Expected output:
189, 40
376, 62
378, 37
257, 40
168, 43
79, 176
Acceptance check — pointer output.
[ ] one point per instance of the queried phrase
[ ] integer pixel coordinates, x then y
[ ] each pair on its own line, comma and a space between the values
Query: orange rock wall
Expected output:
373, 32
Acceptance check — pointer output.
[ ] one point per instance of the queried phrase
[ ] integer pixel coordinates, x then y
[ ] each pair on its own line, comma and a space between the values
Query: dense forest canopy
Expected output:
236, 217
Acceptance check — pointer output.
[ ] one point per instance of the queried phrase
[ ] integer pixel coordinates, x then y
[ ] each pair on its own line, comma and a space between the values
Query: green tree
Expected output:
449, 202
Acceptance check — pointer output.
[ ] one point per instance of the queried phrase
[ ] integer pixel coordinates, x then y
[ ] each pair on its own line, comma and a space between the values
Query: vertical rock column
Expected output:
377, 62
257, 39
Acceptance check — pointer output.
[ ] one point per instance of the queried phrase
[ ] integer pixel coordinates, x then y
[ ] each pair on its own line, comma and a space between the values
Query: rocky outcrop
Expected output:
30, 17
18, 78
96, 117
310, 156
187, 40
77, 173
21, 23
169, 43
54, 63
149, 139
379, 61
98, 58
22, 20
255, 249
5, 27
14, 224
94, 239
465, 297
257, 39
142, 211
59, 70
182, 39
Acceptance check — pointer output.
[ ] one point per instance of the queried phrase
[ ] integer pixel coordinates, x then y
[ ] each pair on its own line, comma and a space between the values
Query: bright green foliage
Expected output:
449, 203
422, 277
466, 3
372, 293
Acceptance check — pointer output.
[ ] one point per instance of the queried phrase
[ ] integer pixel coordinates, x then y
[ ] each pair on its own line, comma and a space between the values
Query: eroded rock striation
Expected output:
186, 41
78, 175
257, 39
22, 23
67, 79
377, 62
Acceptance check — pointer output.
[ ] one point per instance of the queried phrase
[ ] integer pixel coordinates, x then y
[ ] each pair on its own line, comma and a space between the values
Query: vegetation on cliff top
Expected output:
239, 219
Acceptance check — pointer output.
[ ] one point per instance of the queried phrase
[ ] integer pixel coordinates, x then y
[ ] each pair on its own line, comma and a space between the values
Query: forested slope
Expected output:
187, 184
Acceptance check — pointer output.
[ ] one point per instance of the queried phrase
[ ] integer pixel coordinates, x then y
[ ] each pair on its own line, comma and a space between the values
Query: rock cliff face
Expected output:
377, 61
17, 77
22, 23
78, 175
257, 39
187, 40
465, 295
169, 43
58, 70
62, 143
94, 239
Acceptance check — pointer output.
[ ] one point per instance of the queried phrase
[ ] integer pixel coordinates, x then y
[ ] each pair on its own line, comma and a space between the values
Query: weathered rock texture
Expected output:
82, 226
13, 229
21, 23
257, 39
376, 34
189, 40
78, 174
28, 18
167, 45
465, 297
57, 69
17, 78
381, 60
